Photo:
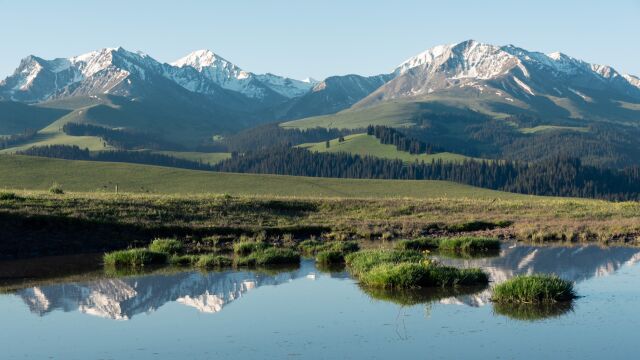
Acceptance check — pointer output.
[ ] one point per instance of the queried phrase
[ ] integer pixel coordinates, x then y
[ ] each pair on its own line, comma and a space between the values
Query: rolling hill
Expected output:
368, 145
33, 173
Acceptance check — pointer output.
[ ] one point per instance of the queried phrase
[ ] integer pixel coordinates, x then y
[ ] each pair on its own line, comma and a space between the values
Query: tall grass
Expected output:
418, 244
166, 246
269, 256
534, 289
311, 247
417, 275
363, 261
245, 248
134, 258
469, 244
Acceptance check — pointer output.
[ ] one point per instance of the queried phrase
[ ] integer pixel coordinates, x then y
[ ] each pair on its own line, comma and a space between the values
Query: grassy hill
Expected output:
363, 144
32, 173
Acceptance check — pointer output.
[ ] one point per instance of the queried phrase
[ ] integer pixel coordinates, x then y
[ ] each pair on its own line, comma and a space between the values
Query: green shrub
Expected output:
469, 244
534, 289
213, 261
362, 261
167, 246
56, 189
419, 244
269, 256
330, 257
245, 248
134, 258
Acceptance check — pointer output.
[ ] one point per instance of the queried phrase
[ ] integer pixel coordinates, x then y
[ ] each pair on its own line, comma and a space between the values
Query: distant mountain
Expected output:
334, 94
511, 79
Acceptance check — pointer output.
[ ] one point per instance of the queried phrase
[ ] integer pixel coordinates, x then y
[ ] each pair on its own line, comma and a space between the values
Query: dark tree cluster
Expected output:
391, 136
558, 176
270, 135
138, 157
120, 138
16, 139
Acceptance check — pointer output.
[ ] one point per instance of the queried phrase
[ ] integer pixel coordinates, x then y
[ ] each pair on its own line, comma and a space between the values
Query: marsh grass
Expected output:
330, 257
468, 244
410, 297
419, 244
134, 258
363, 261
312, 247
245, 248
212, 261
269, 256
166, 246
418, 275
534, 289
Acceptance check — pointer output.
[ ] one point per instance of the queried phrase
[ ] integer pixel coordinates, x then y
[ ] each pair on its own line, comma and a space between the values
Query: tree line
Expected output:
120, 138
557, 176
391, 136
138, 157
8, 141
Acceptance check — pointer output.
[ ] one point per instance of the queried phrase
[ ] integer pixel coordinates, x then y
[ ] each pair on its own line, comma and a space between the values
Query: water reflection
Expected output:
122, 298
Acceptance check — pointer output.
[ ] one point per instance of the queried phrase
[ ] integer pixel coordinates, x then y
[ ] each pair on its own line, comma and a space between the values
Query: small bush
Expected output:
167, 246
362, 261
534, 289
56, 189
212, 261
330, 257
269, 256
419, 244
469, 244
245, 248
134, 258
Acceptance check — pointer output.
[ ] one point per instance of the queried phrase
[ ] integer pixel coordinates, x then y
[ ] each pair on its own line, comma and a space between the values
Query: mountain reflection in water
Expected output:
123, 298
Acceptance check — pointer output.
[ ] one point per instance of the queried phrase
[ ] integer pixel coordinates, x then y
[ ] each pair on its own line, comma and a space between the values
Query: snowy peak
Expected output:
210, 64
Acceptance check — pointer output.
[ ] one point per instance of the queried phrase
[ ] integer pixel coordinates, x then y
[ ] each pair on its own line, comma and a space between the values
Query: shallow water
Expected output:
306, 313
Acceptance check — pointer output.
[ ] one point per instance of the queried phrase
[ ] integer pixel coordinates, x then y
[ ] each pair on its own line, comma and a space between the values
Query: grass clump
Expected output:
469, 244
311, 247
184, 260
328, 257
134, 258
269, 256
166, 246
363, 261
478, 225
417, 275
534, 289
212, 261
9, 196
56, 188
245, 248
419, 244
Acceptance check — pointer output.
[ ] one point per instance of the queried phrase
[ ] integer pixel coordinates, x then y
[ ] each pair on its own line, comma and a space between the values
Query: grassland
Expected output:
547, 128
363, 144
205, 158
33, 173
197, 205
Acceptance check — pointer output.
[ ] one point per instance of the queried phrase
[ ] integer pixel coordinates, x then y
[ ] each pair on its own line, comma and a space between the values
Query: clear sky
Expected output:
318, 38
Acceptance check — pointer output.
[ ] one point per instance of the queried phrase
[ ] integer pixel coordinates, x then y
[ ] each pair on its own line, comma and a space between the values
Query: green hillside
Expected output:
16, 117
32, 173
363, 144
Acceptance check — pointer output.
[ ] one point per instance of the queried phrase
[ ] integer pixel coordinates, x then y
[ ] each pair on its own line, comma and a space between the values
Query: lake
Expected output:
78, 312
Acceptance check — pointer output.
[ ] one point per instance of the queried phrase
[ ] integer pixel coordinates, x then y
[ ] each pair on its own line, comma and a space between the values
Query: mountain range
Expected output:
202, 93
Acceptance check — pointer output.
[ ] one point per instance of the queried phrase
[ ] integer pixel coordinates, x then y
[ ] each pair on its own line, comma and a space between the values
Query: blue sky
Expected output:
301, 38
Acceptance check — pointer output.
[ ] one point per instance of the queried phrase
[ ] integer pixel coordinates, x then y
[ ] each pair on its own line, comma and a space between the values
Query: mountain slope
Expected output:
511, 80
334, 94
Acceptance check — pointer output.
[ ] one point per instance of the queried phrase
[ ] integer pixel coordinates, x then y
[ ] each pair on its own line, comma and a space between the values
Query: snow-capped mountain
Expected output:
505, 73
114, 71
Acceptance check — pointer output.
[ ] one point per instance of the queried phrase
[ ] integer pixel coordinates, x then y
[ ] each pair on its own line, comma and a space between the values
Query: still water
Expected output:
305, 313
